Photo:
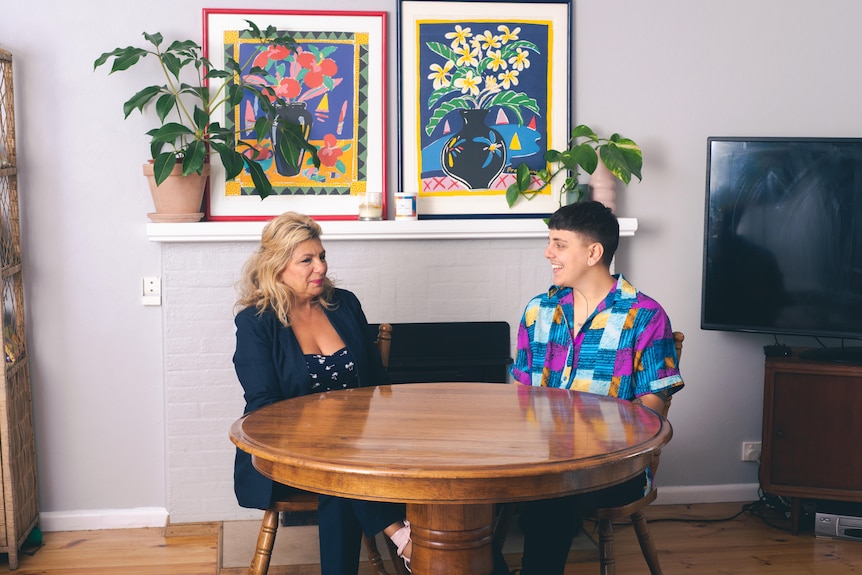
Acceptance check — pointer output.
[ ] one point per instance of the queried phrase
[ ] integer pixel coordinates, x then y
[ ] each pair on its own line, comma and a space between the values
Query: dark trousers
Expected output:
341, 523
550, 526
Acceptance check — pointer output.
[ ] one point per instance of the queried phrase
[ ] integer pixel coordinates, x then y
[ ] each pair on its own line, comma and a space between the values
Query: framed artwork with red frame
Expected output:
332, 81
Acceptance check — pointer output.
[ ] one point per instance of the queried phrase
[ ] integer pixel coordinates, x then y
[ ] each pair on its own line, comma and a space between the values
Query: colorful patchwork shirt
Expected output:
624, 349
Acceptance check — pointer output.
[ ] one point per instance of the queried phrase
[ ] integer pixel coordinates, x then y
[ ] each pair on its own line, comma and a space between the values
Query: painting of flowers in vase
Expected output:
330, 85
489, 91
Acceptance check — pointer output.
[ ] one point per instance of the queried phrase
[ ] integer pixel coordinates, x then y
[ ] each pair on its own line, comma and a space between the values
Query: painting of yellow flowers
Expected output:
485, 86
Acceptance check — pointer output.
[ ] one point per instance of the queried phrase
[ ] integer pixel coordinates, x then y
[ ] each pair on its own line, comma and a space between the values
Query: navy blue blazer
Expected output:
270, 366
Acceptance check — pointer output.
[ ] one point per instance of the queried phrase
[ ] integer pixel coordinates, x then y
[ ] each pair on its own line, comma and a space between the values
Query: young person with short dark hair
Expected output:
591, 332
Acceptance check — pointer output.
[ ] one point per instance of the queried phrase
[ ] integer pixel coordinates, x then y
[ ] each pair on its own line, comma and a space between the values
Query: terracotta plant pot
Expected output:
603, 186
179, 198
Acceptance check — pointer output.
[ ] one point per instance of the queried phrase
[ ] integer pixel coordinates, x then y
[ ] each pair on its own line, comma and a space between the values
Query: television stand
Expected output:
848, 355
811, 431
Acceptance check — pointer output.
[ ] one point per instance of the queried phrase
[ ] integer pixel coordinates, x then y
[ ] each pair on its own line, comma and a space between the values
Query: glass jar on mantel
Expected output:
370, 205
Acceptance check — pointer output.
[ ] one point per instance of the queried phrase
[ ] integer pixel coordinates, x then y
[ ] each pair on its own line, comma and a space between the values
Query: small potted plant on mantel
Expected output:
189, 133
620, 157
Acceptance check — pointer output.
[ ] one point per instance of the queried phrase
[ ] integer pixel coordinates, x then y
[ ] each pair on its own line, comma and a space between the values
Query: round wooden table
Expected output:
450, 451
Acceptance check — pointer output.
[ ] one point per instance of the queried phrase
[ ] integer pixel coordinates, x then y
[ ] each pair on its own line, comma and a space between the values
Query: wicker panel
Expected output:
14, 336
19, 454
20, 511
7, 114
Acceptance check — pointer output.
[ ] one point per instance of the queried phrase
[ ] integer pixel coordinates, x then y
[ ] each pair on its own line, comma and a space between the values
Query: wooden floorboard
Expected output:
744, 546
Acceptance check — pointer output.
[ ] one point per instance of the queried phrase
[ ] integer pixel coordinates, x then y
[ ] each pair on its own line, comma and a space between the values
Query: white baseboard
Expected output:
90, 519
85, 520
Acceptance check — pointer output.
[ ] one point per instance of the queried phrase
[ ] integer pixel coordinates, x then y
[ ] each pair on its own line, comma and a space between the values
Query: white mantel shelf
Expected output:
378, 230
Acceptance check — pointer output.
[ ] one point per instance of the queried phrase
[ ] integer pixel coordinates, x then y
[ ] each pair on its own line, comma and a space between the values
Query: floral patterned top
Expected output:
330, 372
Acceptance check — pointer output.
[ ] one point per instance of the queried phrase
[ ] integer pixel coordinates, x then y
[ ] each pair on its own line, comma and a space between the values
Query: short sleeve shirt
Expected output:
624, 349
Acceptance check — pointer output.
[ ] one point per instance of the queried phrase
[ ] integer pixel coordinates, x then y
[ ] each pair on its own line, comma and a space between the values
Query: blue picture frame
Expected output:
484, 87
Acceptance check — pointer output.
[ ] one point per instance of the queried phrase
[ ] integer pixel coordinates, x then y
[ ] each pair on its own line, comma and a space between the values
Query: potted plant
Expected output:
619, 156
189, 130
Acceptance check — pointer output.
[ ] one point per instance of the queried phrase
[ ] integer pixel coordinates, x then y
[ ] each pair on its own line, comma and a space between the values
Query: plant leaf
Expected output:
141, 99
169, 132
232, 160
124, 58
583, 155
262, 127
523, 179
164, 105
201, 119
623, 161
261, 184
154, 39
583, 131
163, 166
211, 73
253, 29
512, 193
172, 63
194, 158
189, 46
234, 94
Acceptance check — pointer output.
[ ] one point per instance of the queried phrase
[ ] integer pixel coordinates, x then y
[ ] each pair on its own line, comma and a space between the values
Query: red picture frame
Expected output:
336, 80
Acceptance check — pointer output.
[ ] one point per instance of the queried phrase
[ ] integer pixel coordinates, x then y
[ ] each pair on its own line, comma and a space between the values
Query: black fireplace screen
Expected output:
449, 351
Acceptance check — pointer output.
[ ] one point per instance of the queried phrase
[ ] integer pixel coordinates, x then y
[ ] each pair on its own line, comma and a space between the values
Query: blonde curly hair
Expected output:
260, 285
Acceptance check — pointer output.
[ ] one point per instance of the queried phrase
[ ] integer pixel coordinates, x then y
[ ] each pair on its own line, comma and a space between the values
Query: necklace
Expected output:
585, 313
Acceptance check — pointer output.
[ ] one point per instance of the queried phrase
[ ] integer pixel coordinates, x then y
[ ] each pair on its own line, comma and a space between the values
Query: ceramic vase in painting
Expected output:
293, 113
476, 154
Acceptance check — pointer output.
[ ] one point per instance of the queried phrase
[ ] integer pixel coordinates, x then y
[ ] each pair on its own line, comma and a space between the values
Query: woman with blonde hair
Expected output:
296, 334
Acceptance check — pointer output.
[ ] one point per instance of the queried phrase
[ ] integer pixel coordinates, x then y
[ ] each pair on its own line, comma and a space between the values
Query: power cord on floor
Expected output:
773, 510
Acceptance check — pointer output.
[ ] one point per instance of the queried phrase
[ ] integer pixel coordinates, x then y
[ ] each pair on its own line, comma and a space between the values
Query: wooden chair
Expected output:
605, 517
305, 501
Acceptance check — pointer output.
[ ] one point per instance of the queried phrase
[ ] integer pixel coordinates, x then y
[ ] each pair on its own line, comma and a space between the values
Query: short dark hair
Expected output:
592, 220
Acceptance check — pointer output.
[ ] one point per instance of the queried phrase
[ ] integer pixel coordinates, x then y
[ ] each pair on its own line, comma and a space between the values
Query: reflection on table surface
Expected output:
451, 451
444, 430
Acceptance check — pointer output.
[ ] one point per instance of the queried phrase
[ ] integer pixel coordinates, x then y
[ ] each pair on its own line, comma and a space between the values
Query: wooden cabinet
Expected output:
812, 424
18, 490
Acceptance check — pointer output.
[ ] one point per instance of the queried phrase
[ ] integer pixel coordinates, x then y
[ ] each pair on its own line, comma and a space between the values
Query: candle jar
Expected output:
405, 206
370, 206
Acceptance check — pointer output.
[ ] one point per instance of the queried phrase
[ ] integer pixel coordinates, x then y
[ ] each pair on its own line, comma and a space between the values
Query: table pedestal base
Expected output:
460, 543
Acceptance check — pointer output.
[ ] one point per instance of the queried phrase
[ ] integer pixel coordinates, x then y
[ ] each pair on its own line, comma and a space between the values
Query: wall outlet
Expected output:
152, 291
750, 451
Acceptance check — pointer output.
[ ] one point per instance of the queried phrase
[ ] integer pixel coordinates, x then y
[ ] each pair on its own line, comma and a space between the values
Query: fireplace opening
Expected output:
449, 351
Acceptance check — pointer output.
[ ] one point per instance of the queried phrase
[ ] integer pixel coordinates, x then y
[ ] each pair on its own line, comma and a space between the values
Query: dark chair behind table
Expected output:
306, 501
606, 516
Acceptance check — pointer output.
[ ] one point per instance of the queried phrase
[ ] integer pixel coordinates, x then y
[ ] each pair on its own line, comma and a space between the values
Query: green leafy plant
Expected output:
188, 131
623, 157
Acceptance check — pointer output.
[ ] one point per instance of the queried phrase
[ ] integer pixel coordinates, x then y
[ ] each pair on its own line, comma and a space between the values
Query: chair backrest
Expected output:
678, 338
384, 342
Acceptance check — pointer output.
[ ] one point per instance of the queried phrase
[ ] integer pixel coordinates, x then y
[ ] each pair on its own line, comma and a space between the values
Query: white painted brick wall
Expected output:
396, 281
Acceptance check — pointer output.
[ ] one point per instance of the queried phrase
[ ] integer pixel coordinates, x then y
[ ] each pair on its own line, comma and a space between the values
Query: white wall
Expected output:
450, 280
667, 73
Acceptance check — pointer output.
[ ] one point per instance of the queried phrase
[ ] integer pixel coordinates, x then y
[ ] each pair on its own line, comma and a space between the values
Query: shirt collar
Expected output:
622, 289
556, 291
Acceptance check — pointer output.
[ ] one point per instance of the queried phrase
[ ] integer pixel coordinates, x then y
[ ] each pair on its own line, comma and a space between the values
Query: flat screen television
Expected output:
783, 239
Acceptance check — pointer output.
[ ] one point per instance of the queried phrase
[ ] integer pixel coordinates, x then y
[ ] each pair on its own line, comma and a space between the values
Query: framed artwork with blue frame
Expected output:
485, 85
333, 83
